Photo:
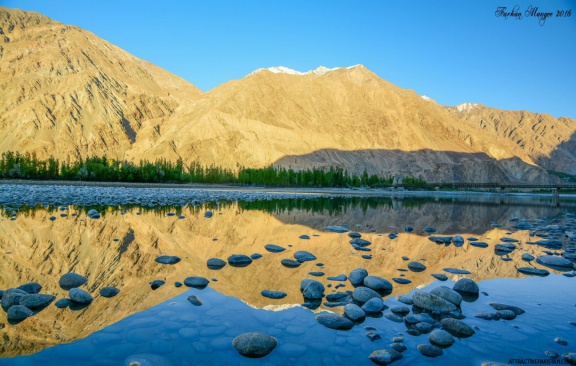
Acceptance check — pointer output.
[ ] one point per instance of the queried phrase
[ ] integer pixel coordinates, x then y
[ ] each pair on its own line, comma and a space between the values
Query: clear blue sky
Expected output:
452, 51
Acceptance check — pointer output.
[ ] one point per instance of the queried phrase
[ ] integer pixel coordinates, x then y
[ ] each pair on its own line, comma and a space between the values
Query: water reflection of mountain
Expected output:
119, 250
472, 214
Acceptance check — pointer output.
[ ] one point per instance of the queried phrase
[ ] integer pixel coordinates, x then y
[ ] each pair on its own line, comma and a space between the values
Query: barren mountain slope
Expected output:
549, 141
66, 92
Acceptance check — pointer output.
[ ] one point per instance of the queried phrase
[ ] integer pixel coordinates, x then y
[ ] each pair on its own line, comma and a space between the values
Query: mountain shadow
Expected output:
562, 158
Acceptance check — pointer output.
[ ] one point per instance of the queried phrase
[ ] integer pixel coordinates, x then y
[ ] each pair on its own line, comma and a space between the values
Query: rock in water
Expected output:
357, 276
498, 306
354, 313
377, 284
194, 300
273, 248
254, 345
385, 356
239, 260
373, 306
290, 263
555, 262
456, 271
208, 214
80, 296
447, 294
12, 297
196, 282
335, 321
312, 290
19, 313
31, 287
363, 294
429, 350
466, 285
570, 357
441, 338
168, 259
336, 229
36, 301
156, 284
416, 266
109, 292
440, 276
531, 271
457, 328
304, 256
215, 263
71, 280
273, 294
432, 302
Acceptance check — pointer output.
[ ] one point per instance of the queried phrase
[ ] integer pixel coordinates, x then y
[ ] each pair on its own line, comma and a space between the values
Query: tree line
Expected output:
28, 166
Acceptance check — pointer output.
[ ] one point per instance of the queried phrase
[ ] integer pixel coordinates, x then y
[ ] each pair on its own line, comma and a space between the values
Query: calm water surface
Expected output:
162, 328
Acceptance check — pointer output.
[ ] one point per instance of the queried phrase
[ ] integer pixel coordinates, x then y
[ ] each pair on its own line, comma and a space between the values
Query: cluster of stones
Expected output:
25, 301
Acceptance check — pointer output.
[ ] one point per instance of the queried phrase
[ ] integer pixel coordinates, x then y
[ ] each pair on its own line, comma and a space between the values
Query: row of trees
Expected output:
28, 166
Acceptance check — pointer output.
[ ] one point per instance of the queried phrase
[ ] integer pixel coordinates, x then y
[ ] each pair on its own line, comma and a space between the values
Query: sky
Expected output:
452, 51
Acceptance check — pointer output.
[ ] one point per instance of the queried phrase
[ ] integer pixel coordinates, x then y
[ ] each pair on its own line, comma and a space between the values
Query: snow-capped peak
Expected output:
428, 99
466, 107
319, 71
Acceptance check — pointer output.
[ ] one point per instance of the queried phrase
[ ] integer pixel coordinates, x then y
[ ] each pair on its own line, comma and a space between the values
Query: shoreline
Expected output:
320, 191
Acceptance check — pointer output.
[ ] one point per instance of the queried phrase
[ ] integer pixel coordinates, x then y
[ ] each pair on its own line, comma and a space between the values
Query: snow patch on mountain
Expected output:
319, 71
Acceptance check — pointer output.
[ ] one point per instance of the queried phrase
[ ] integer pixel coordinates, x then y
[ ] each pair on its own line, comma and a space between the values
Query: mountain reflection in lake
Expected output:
119, 249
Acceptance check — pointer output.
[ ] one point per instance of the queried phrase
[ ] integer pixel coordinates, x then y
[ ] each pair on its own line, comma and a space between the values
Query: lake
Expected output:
162, 327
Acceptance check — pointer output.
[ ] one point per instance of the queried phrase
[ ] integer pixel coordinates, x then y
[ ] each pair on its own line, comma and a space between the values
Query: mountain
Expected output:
70, 94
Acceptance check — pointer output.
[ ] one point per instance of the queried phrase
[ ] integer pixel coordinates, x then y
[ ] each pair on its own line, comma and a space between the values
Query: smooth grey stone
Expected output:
419, 318
305, 237
360, 242
354, 313
19, 312
531, 271
373, 306
398, 347
316, 273
439, 276
479, 244
373, 336
290, 263
80, 296
71, 280
405, 258
408, 229
457, 328
416, 266
487, 316
570, 357
405, 300
413, 332
273, 248
466, 285
456, 271
429, 350
506, 314
366, 256
341, 277
304, 256
273, 294
402, 310
393, 235
239, 260
560, 341
109, 292
551, 354
93, 214
208, 214
430, 229
177, 284
196, 282
215, 263
447, 294
62, 303
554, 261
515, 309
471, 238
335, 321
440, 239
377, 283
431, 302
363, 294
354, 234
168, 259
509, 240
36, 301
423, 327
194, 300
12, 297
402, 281
31, 287
254, 345
336, 229
504, 248
256, 256
385, 356
441, 338
457, 239
394, 318
312, 290
398, 339
156, 283
338, 296
357, 276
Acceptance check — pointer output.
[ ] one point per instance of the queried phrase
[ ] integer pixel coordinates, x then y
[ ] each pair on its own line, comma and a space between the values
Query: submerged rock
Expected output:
239, 260
373, 306
71, 280
80, 296
466, 285
357, 276
18, 313
254, 345
429, 350
194, 300
273, 248
109, 292
167, 259
431, 302
36, 301
196, 282
215, 263
441, 338
515, 309
385, 356
457, 328
335, 321
273, 294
